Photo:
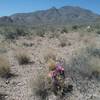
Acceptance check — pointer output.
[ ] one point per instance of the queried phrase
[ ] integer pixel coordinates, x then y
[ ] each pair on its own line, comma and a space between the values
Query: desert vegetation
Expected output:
98, 32
22, 58
64, 30
76, 49
86, 62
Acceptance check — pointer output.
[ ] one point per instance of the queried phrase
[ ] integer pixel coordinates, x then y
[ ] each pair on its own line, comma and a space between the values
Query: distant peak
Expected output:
53, 8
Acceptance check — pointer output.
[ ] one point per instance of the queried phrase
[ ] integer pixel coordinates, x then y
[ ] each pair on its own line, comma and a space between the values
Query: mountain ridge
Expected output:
52, 16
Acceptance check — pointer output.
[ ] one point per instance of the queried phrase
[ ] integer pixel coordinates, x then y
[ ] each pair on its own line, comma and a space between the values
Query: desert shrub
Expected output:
39, 85
64, 30
86, 63
94, 51
79, 64
3, 50
90, 29
98, 32
40, 33
2, 96
63, 40
53, 34
10, 36
21, 32
23, 58
49, 56
28, 44
75, 27
63, 44
95, 66
14, 34
4, 67
49, 53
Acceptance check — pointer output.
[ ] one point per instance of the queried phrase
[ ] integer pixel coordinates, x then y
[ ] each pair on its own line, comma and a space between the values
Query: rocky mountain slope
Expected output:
52, 16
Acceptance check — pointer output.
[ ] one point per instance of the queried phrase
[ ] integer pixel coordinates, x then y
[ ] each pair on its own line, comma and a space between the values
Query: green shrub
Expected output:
64, 30
10, 36
75, 27
40, 33
20, 32
98, 32
15, 34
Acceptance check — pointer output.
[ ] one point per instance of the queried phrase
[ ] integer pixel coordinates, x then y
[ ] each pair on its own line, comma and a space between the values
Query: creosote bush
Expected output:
4, 67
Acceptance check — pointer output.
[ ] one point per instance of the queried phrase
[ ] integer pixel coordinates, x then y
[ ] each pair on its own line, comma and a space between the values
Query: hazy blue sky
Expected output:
8, 7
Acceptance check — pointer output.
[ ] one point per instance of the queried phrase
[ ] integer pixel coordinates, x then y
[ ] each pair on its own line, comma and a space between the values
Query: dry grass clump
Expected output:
39, 85
4, 67
50, 53
63, 43
94, 61
63, 40
28, 44
23, 58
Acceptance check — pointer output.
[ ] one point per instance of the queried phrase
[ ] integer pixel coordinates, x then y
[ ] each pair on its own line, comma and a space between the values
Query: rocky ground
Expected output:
18, 87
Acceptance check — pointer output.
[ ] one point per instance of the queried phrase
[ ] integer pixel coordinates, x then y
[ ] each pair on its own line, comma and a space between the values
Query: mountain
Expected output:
52, 16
